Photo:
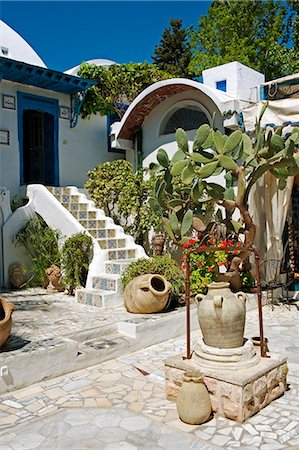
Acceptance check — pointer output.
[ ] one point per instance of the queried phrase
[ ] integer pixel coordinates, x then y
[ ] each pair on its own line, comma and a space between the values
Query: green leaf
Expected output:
229, 193
282, 184
233, 141
208, 143
218, 141
174, 222
168, 228
263, 111
188, 174
182, 140
276, 143
201, 135
154, 204
162, 157
199, 158
259, 171
175, 202
215, 190
160, 191
197, 190
154, 167
187, 222
227, 163
208, 169
178, 167
178, 156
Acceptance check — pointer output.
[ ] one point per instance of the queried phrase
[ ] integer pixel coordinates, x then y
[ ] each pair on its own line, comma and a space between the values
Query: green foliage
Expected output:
123, 196
173, 53
258, 34
182, 192
248, 282
76, 255
164, 265
204, 269
16, 202
41, 247
117, 85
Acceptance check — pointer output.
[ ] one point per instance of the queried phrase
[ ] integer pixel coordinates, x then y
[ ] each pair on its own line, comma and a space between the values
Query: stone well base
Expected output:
235, 394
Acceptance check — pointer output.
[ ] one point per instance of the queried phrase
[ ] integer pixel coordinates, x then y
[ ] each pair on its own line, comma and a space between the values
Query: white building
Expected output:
43, 138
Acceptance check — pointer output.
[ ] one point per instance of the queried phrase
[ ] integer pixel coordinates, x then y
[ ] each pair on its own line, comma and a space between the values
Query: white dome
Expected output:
97, 62
13, 46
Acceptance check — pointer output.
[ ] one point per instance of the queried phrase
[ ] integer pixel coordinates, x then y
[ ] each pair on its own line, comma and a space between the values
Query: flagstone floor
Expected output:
120, 404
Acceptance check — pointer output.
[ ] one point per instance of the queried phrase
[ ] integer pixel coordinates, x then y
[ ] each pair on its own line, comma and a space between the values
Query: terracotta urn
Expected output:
221, 316
54, 277
193, 401
6, 310
147, 294
158, 243
16, 275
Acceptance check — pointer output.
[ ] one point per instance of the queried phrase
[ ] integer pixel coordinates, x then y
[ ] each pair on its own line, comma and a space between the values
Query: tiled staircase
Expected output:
117, 248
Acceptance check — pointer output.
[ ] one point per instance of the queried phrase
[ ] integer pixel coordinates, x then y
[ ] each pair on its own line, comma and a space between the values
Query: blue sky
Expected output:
67, 33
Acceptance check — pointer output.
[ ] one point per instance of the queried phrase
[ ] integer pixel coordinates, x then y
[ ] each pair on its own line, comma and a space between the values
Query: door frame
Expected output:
44, 104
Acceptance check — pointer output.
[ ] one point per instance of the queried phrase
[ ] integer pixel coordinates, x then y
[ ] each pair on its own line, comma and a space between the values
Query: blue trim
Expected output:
44, 104
263, 93
42, 77
221, 85
111, 118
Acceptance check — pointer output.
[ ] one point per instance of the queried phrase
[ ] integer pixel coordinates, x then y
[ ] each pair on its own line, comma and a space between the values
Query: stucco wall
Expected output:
241, 81
151, 125
80, 148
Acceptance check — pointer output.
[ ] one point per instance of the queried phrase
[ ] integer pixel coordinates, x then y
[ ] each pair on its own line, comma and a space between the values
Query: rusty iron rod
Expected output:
187, 291
259, 300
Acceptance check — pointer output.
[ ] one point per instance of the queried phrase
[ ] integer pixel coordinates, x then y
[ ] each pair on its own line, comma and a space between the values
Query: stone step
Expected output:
94, 224
103, 233
107, 282
99, 297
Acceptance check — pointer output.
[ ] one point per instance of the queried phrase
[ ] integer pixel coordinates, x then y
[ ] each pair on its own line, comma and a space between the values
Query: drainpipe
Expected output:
139, 149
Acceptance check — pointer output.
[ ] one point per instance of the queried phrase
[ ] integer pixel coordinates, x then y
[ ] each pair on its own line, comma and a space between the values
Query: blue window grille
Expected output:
221, 85
111, 118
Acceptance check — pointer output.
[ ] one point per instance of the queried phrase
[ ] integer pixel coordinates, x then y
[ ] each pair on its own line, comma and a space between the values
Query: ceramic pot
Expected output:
16, 275
221, 316
6, 310
54, 276
158, 243
147, 294
193, 401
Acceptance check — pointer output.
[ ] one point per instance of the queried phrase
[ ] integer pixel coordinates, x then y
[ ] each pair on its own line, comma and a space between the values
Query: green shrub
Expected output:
123, 195
164, 265
76, 255
41, 247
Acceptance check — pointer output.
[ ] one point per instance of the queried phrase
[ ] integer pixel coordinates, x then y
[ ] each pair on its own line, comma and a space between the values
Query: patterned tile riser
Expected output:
111, 243
121, 254
88, 298
104, 284
115, 268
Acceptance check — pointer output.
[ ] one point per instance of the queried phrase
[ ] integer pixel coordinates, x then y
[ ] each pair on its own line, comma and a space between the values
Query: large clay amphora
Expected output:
6, 310
147, 294
193, 401
221, 316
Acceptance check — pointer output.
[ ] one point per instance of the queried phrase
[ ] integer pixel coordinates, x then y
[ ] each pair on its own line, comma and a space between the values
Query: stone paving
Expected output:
121, 404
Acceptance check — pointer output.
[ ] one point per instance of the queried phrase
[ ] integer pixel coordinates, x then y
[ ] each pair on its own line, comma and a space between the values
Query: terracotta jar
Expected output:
221, 316
147, 294
158, 243
54, 276
16, 275
6, 310
193, 401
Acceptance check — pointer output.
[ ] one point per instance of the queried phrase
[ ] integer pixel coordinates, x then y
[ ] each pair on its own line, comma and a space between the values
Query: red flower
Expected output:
239, 244
229, 242
210, 269
223, 244
192, 241
198, 235
184, 266
186, 245
221, 263
211, 241
236, 252
182, 259
199, 264
203, 246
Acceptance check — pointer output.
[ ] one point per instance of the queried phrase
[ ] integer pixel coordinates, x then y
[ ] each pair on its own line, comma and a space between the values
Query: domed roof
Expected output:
97, 62
13, 46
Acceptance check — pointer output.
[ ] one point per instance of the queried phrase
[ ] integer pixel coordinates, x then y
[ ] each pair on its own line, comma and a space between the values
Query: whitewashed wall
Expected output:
241, 81
80, 148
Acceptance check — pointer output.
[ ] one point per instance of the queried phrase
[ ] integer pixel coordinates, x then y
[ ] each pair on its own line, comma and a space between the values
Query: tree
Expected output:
184, 196
255, 33
117, 86
173, 54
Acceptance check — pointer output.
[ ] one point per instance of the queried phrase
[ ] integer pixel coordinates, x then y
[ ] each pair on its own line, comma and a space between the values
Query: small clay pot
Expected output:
158, 243
16, 275
193, 401
54, 277
6, 310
